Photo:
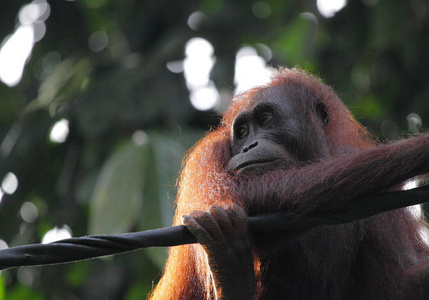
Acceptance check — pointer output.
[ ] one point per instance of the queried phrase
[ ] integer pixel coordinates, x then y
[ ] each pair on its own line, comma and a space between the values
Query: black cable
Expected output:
81, 248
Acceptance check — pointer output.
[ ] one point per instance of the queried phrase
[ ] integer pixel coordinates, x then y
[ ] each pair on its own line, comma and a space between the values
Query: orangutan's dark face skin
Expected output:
270, 134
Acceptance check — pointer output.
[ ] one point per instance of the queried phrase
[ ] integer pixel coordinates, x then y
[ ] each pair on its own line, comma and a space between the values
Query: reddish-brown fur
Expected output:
376, 258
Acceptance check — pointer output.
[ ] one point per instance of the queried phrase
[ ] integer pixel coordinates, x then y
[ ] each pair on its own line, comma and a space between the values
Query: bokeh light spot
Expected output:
16, 49
198, 64
250, 69
59, 131
98, 41
10, 183
56, 234
328, 8
261, 10
29, 212
196, 19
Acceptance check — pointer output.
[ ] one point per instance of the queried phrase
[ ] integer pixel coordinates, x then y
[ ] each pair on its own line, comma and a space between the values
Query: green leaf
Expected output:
78, 273
2, 288
168, 154
369, 107
118, 194
68, 78
22, 292
160, 191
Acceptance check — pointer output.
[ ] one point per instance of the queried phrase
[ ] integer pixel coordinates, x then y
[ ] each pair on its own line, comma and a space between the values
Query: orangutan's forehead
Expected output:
279, 93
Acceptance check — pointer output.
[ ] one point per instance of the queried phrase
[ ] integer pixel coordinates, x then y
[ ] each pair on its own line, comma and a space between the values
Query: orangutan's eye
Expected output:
242, 131
265, 118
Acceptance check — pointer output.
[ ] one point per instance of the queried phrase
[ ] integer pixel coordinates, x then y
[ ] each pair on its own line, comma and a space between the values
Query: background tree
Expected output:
93, 131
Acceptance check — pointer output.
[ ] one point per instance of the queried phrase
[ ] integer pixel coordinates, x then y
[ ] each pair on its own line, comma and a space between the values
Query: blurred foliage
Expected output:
131, 122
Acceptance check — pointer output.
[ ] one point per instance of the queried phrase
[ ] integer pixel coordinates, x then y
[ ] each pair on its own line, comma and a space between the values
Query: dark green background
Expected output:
374, 53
